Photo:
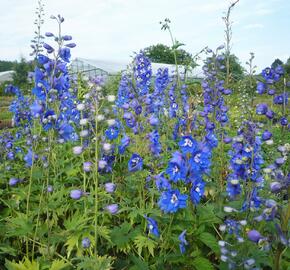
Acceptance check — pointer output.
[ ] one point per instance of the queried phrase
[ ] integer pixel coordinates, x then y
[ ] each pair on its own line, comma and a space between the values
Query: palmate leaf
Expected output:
122, 236
206, 215
25, 265
58, 265
76, 222
209, 240
7, 249
99, 263
104, 232
19, 226
201, 263
144, 242
71, 243
138, 264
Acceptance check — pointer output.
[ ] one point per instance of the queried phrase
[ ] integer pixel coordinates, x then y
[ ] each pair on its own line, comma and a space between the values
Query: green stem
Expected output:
96, 180
37, 221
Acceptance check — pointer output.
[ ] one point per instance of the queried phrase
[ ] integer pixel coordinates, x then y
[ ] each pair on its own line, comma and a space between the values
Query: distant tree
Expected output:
277, 63
6, 65
287, 66
236, 69
161, 53
20, 77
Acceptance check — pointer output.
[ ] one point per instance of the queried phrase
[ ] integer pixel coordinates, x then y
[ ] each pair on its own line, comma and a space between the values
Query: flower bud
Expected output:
76, 194
110, 187
254, 236
77, 150
112, 208
86, 242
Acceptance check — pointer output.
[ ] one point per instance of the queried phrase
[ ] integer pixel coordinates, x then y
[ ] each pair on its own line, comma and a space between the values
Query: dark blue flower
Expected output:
267, 135
29, 158
42, 59
283, 121
112, 132
188, 145
183, 243
64, 54
152, 226
161, 182
135, 163
171, 201
261, 108
197, 191
261, 88
36, 108
125, 141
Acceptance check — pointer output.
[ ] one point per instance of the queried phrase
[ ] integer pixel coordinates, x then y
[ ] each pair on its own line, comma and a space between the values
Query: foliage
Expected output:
161, 53
236, 70
145, 171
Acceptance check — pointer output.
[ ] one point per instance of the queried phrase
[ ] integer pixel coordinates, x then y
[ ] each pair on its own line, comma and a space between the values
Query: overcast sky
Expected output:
114, 29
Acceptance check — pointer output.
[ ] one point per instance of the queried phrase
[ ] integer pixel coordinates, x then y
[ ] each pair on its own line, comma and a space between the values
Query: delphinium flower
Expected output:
245, 165
215, 110
52, 90
172, 200
230, 247
14, 181
135, 163
20, 107
152, 226
124, 91
155, 145
142, 73
125, 142
162, 182
87, 166
274, 83
183, 243
187, 166
29, 158
274, 207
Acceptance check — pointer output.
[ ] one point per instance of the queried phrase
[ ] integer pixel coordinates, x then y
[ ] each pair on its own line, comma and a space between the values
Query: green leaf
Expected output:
99, 263
58, 265
76, 222
7, 249
139, 264
201, 263
177, 44
37, 173
26, 265
207, 215
71, 243
19, 226
209, 240
104, 232
121, 236
144, 242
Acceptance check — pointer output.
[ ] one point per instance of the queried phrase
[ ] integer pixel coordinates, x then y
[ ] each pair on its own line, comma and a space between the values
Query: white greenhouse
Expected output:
6, 76
93, 68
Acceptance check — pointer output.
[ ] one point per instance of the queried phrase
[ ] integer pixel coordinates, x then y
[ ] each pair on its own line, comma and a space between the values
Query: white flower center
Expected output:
174, 199
187, 142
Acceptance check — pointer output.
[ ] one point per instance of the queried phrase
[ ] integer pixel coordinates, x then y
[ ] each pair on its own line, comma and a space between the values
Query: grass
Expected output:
5, 114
